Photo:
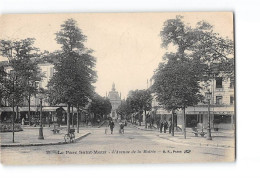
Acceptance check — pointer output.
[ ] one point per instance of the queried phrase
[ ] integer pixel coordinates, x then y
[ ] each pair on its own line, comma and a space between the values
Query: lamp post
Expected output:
77, 118
29, 103
208, 95
14, 78
41, 128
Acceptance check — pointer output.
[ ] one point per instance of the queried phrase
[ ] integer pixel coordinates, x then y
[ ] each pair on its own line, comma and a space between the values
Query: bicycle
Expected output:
70, 137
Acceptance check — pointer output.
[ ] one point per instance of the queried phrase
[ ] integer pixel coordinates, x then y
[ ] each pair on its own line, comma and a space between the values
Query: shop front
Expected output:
221, 117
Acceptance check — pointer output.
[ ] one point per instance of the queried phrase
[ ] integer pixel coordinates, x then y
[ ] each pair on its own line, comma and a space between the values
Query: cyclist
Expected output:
122, 125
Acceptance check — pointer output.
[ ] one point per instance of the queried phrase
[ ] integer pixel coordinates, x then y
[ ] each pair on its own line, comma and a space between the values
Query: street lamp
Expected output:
14, 78
208, 95
41, 96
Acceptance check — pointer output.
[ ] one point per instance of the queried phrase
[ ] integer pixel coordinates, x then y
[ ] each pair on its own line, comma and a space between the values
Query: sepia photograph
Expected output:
117, 88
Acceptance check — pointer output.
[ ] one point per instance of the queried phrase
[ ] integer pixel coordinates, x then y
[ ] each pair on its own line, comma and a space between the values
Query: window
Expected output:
218, 99
232, 82
219, 82
222, 119
231, 99
51, 72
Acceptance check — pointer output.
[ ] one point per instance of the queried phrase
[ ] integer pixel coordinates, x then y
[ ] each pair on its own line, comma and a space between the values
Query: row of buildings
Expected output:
50, 113
222, 108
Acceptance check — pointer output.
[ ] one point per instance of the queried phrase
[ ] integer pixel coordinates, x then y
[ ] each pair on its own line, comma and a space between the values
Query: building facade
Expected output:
222, 107
115, 100
49, 112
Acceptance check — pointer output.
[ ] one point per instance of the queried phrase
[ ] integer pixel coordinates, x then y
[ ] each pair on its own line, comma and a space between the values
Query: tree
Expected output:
22, 56
73, 80
141, 101
100, 106
176, 84
124, 109
3, 90
201, 44
200, 52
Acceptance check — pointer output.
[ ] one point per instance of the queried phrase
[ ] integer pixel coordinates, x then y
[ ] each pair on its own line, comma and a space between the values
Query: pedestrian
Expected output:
161, 126
170, 127
158, 124
22, 121
111, 124
165, 126
121, 130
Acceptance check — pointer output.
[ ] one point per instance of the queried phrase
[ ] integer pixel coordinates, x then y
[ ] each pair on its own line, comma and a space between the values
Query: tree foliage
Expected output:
70, 37
22, 56
140, 100
3, 90
176, 83
124, 109
200, 44
74, 77
200, 52
100, 106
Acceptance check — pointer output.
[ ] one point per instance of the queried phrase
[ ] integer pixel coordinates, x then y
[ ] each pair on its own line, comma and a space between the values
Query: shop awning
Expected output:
34, 109
202, 110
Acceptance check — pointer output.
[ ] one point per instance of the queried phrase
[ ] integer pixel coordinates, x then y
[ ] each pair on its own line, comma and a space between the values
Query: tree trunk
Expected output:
49, 119
68, 117
29, 111
139, 119
172, 122
145, 119
16, 114
93, 119
184, 123
77, 119
72, 120
13, 117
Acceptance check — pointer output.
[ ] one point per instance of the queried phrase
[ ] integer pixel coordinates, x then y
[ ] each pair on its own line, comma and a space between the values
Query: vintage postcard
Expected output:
117, 88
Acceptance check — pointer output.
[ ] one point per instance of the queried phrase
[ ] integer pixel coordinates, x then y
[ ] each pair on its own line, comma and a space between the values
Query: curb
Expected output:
81, 137
101, 124
143, 129
198, 144
40, 144
191, 143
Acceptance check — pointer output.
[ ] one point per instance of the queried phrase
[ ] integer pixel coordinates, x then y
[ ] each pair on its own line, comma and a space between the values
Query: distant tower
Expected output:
115, 101
113, 87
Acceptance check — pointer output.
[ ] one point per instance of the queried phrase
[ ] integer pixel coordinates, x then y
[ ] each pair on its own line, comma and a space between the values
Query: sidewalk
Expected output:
142, 127
222, 138
29, 137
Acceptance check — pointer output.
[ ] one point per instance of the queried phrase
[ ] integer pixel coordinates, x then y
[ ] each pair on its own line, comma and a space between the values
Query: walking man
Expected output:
161, 126
111, 124
165, 126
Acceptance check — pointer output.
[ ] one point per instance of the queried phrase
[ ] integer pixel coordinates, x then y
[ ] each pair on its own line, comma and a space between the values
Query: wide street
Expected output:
135, 146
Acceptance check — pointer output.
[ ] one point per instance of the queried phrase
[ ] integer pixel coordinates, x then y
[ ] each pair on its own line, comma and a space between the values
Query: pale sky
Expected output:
126, 45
